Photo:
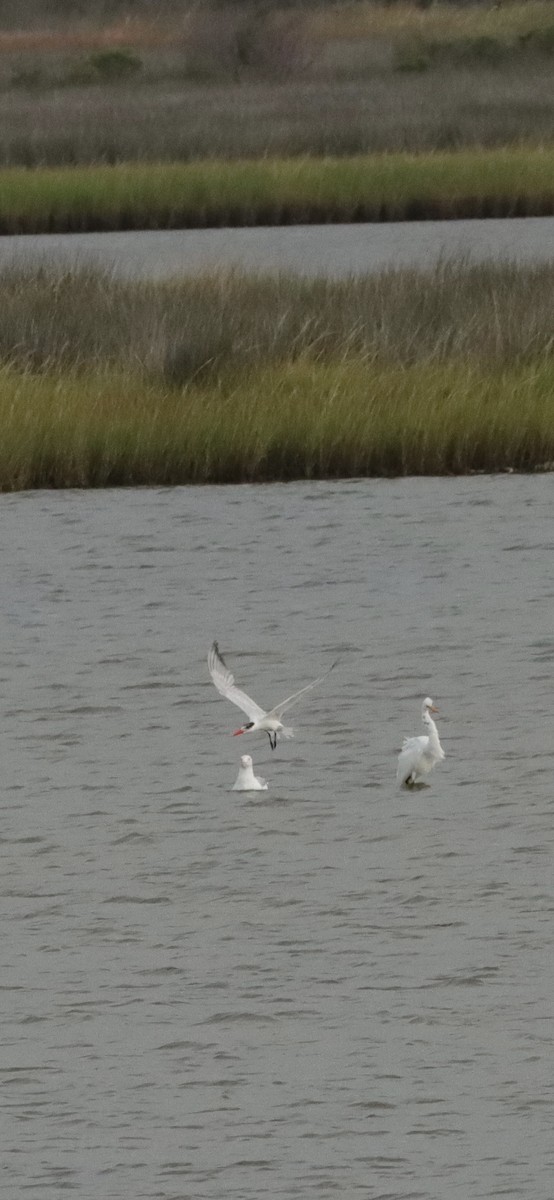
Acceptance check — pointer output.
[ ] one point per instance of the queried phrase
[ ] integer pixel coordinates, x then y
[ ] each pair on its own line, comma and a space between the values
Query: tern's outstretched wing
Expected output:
225, 684
282, 707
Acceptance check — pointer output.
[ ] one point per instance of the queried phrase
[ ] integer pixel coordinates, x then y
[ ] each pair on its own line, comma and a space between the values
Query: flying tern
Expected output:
270, 722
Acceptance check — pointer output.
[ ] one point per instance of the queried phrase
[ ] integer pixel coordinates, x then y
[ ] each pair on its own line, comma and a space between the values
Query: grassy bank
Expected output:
303, 421
232, 378
279, 191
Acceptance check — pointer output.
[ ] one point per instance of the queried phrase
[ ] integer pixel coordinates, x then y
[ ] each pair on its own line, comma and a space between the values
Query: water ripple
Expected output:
339, 989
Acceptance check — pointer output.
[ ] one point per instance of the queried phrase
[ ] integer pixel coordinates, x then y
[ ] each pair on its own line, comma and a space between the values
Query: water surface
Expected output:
333, 989
332, 250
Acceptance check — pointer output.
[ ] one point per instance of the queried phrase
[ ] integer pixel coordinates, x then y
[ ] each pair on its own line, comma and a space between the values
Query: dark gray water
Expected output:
333, 250
333, 989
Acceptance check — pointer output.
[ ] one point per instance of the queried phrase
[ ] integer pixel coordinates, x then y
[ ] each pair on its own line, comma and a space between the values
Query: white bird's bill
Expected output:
246, 780
258, 719
420, 754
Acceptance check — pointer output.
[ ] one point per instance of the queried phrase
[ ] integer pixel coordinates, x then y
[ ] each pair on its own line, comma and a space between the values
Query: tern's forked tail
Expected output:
286, 732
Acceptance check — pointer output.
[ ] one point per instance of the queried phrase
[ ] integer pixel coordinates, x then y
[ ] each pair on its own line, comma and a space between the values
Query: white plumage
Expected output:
270, 722
419, 755
246, 780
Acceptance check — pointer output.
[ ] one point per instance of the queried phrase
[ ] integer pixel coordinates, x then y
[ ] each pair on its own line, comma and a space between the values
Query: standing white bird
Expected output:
270, 722
246, 780
419, 754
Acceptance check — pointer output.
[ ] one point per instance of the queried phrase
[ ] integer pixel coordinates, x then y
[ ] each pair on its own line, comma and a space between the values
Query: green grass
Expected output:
379, 187
303, 421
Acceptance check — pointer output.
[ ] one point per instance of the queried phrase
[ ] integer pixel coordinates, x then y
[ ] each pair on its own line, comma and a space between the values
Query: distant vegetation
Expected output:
228, 39
132, 121
170, 81
230, 378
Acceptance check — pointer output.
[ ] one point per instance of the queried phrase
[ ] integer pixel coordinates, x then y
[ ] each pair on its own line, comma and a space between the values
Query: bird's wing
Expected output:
282, 707
415, 743
225, 684
410, 755
407, 761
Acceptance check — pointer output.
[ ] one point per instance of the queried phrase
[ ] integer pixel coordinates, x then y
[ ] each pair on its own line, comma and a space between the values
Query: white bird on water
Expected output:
419, 754
246, 780
270, 722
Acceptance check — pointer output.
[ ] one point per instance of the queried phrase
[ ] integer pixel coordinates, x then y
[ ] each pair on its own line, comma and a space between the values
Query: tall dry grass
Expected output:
178, 121
175, 332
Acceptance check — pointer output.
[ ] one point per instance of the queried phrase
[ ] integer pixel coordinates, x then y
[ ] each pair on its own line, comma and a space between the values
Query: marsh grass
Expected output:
303, 421
493, 315
234, 379
375, 110
160, 82
276, 191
